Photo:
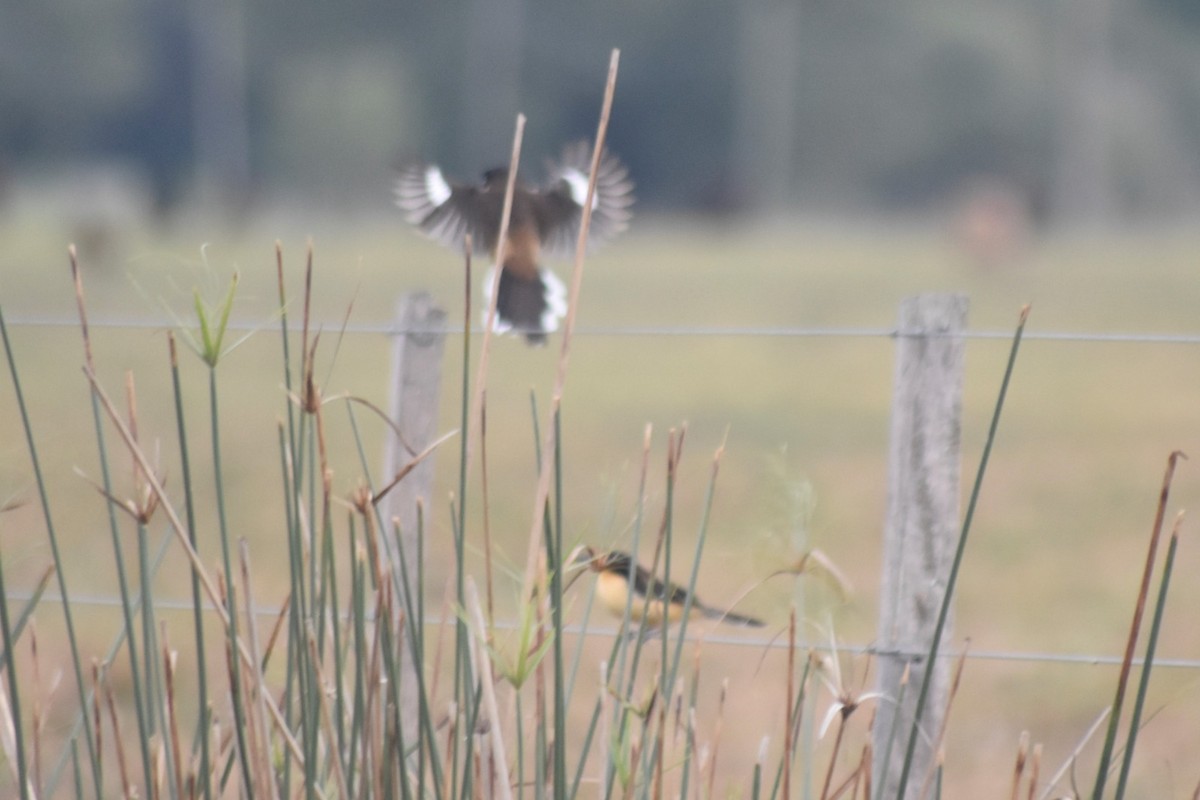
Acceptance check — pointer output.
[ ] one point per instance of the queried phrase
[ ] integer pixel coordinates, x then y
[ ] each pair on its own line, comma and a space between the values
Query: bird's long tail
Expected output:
530, 306
731, 618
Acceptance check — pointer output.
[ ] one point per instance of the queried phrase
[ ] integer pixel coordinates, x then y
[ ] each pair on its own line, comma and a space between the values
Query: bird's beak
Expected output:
577, 562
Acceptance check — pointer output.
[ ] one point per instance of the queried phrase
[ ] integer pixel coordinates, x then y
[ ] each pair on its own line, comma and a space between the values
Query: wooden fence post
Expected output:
923, 518
416, 378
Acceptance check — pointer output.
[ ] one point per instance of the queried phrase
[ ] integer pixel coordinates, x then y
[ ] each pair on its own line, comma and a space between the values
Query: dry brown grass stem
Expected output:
256, 712
661, 736
1019, 766
308, 271
83, 323
487, 515
481, 369
169, 661
606, 743
716, 745
326, 717
788, 744
851, 782
864, 771
98, 711
181, 536
868, 766
372, 736
402, 473
483, 668
843, 715
118, 739
276, 629
439, 645
955, 682
1069, 762
1035, 768
560, 377
1138, 615
38, 720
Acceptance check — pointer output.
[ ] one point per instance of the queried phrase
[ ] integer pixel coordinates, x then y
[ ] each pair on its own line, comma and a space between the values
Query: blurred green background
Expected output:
798, 166
1077, 111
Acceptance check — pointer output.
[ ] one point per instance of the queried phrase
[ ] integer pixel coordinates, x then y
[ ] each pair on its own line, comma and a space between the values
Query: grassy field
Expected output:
1056, 554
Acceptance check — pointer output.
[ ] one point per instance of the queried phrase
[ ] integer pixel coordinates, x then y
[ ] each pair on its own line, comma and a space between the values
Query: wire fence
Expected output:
710, 331
615, 331
756, 642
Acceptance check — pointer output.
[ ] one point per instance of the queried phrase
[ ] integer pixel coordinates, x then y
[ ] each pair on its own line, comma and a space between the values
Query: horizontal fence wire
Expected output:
773, 643
684, 331
616, 331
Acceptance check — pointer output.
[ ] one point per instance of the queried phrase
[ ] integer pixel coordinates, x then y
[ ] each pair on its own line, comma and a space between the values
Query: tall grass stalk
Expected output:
52, 534
1139, 703
204, 716
1114, 721
13, 686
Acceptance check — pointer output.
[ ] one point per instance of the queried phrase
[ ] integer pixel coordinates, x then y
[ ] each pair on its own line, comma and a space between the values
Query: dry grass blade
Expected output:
8, 733
483, 668
789, 700
256, 713
1135, 627
716, 745
97, 707
1070, 760
326, 718
941, 734
122, 766
852, 781
410, 466
606, 743
481, 370
39, 716
1034, 768
276, 629
1019, 766
169, 663
560, 378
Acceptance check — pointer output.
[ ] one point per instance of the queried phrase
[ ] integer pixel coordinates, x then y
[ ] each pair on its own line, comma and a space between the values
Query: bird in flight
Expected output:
544, 221
617, 573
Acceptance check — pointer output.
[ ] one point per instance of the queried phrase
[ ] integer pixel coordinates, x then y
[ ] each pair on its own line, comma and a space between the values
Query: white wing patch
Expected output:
578, 183
436, 186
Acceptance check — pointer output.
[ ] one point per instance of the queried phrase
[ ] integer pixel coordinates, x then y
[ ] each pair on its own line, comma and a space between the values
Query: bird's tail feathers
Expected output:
530, 306
731, 618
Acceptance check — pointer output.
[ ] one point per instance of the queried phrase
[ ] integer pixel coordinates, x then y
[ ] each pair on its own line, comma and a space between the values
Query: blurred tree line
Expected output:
1088, 110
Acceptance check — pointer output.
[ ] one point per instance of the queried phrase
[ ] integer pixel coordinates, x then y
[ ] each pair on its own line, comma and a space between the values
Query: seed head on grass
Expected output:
516, 663
847, 699
213, 321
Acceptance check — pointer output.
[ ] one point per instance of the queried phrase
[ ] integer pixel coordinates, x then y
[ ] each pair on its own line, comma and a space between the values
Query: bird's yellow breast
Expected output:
613, 590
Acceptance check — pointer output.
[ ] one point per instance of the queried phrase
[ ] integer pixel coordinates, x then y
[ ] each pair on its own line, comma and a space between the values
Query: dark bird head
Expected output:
495, 178
601, 561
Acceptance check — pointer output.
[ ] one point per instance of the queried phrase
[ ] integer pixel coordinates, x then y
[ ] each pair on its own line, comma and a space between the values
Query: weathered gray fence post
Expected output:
923, 504
416, 379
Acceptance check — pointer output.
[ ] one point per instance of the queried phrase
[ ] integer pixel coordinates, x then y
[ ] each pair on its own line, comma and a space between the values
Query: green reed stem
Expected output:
14, 692
76, 663
554, 557
204, 768
26, 612
235, 672
1144, 682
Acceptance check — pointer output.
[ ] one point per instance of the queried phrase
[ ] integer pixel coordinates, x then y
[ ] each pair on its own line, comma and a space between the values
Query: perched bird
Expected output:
544, 221
612, 587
